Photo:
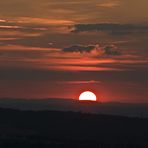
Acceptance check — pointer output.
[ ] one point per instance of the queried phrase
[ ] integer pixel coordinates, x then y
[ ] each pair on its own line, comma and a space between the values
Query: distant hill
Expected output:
27, 129
112, 108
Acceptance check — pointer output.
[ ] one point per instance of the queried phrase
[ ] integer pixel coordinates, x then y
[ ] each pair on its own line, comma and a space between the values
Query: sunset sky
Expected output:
58, 48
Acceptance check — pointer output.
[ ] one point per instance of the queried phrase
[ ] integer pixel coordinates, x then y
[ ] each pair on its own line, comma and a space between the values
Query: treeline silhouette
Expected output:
55, 129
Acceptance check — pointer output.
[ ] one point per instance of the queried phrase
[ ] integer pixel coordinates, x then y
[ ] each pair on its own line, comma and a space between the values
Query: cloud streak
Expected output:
111, 28
79, 48
78, 82
110, 4
110, 50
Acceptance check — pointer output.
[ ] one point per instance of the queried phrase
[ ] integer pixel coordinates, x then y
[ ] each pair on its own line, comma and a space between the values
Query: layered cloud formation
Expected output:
50, 46
106, 50
112, 28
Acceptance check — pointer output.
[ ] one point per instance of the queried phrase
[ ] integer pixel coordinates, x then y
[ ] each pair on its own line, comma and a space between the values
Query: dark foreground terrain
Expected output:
109, 108
55, 129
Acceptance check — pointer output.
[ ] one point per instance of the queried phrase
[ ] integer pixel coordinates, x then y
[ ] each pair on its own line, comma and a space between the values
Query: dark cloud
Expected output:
101, 50
79, 48
112, 28
111, 50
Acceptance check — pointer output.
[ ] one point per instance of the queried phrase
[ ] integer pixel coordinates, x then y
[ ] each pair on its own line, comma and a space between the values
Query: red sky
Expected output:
54, 48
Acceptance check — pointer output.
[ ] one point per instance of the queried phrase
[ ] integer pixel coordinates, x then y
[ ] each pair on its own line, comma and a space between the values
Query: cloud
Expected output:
111, 28
79, 48
111, 50
78, 82
34, 32
109, 4
94, 49
35, 25
42, 21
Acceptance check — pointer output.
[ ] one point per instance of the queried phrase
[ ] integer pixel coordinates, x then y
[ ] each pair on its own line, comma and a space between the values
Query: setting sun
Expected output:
87, 96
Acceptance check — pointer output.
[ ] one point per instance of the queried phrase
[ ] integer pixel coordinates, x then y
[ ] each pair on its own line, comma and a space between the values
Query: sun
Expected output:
87, 96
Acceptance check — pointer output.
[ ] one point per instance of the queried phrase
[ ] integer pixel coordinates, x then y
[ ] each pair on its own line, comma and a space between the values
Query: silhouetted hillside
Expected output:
121, 109
27, 129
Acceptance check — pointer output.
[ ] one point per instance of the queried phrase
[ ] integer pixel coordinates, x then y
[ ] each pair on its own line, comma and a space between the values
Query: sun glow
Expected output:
87, 96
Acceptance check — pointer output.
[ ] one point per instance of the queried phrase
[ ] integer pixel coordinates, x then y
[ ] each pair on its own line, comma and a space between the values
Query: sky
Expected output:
57, 49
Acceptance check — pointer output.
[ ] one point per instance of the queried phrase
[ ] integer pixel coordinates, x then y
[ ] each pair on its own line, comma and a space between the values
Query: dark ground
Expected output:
55, 129
108, 108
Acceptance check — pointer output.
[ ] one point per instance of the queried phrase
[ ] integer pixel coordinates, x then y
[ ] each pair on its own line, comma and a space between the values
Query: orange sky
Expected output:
54, 48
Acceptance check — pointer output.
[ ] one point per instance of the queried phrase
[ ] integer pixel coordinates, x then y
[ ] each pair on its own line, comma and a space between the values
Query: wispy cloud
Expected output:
109, 4
78, 82
1, 20
46, 21
10, 27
